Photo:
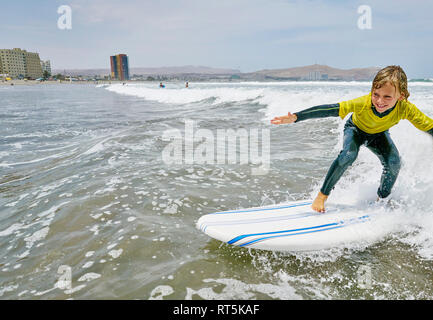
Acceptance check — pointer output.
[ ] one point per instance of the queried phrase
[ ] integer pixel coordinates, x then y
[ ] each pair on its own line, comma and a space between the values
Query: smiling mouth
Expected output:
381, 107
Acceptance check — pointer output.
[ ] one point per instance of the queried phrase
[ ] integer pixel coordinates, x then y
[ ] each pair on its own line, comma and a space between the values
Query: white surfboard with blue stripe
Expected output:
291, 226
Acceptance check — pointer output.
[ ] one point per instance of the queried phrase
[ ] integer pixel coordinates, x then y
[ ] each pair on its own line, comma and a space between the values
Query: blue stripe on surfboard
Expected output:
290, 232
238, 238
286, 235
339, 225
264, 209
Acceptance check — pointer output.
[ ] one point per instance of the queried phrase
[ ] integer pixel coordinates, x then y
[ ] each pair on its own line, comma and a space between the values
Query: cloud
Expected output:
215, 18
246, 34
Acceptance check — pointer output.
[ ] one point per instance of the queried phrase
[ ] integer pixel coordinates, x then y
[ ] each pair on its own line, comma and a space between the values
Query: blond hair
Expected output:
394, 75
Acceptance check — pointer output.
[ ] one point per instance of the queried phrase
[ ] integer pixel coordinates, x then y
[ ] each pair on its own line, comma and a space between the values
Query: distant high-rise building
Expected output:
20, 63
46, 66
119, 67
314, 75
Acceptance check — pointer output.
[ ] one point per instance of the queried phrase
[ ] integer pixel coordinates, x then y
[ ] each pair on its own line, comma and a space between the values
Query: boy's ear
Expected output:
402, 96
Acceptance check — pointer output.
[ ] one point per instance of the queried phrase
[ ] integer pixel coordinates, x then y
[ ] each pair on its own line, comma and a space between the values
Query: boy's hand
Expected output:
290, 118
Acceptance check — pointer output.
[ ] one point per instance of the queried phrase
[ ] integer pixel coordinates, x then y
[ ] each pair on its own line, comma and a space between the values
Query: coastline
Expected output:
98, 82
50, 82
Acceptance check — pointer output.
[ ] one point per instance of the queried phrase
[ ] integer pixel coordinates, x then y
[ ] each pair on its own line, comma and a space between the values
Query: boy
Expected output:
372, 116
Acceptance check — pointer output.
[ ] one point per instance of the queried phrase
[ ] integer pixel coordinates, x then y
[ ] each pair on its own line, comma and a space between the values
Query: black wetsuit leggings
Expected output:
380, 144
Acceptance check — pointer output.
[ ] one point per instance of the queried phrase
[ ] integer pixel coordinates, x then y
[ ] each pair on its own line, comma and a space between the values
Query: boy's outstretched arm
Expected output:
322, 111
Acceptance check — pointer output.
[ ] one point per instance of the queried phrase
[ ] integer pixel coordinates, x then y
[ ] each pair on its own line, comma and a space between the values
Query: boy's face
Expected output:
385, 97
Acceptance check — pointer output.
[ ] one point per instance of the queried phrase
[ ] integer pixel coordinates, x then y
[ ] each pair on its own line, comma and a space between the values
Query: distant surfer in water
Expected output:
372, 116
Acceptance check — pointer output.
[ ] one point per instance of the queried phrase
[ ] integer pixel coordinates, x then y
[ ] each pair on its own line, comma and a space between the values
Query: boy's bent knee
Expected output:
347, 157
394, 164
389, 176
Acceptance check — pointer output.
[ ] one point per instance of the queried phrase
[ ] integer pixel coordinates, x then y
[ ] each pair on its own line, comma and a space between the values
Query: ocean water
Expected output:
90, 208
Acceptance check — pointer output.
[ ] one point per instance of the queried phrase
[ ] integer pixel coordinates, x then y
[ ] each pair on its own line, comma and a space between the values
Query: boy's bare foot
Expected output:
319, 203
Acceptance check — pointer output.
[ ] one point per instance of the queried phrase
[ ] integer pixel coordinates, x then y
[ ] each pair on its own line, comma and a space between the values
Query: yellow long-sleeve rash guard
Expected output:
365, 119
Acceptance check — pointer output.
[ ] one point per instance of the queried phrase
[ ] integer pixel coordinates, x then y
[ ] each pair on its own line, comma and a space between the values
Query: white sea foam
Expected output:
89, 276
36, 236
160, 292
115, 253
183, 95
11, 229
32, 161
236, 289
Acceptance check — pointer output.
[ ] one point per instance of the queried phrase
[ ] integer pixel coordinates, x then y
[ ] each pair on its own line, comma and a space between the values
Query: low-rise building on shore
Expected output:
17, 63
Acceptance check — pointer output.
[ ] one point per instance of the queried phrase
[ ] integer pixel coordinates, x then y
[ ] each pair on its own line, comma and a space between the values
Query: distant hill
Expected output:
314, 72
81, 72
182, 70
311, 72
151, 71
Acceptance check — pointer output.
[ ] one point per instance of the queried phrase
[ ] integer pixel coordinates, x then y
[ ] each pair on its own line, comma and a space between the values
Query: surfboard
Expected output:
291, 226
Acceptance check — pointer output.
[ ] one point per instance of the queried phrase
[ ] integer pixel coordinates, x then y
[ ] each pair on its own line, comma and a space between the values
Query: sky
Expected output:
247, 35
